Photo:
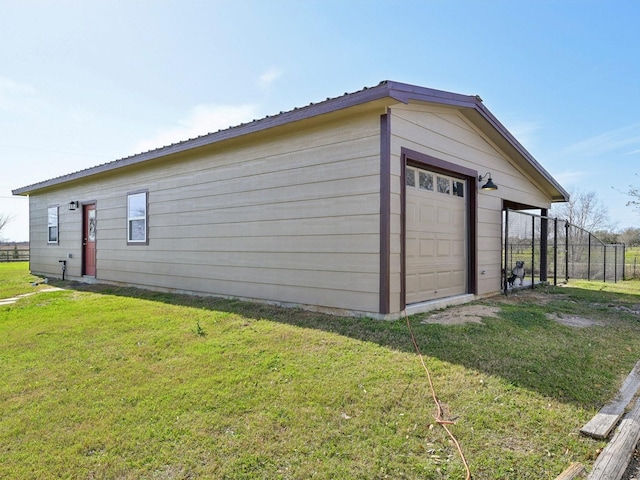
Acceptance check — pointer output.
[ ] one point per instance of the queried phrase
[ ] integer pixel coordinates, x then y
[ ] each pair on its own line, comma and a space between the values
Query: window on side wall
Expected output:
137, 218
52, 225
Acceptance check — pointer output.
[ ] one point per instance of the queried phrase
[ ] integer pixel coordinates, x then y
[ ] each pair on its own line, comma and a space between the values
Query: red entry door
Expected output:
89, 241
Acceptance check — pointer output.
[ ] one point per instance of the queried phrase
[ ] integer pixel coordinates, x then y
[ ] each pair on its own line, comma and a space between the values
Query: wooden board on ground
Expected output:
606, 419
574, 471
612, 463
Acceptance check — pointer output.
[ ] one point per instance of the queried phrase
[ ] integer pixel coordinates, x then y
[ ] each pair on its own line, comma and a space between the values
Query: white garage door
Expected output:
436, 236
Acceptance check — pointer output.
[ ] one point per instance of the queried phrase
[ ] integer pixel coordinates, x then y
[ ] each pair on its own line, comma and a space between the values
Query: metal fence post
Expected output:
533, 251
589, 258
506, 250
566, 252
604, 266
544, 247
555, 251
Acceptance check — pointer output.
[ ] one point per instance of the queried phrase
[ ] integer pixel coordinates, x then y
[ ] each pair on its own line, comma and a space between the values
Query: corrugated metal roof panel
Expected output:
386, 89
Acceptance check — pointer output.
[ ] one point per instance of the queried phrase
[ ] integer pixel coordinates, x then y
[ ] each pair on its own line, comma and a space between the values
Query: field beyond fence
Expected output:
632, 262
14, 252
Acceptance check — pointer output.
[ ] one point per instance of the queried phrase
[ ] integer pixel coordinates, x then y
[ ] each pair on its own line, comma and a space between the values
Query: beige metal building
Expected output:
365, 204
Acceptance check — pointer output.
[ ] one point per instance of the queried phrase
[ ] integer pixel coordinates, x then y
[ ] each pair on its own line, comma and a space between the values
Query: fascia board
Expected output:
476, 111
283, 118
499, 134
470, 105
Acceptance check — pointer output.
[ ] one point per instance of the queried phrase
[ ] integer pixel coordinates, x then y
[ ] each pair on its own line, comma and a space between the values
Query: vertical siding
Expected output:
445, 134
290, 217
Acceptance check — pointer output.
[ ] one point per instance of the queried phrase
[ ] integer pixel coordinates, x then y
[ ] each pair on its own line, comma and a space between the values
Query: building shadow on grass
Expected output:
521, 345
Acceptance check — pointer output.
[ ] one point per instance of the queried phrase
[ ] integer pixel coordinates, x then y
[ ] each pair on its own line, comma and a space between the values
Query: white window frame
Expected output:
137, 217
53, 222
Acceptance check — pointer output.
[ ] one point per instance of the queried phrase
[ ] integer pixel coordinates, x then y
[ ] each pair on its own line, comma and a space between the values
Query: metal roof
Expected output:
470, 105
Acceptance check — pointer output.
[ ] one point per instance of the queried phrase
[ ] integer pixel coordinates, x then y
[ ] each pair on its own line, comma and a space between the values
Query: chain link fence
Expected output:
553, 251
632, 263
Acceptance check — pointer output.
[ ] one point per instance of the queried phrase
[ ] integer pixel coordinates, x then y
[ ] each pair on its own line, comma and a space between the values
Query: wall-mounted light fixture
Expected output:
489, 185
73, 205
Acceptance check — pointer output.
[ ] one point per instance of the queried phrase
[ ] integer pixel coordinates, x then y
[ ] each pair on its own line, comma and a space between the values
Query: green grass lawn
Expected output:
114, 383
15, 279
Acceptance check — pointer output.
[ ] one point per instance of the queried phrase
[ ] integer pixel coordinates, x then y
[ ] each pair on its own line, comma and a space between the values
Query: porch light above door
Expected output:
489, 185
73, 205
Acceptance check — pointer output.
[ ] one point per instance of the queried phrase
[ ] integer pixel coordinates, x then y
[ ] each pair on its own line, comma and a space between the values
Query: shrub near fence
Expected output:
555, 251
14, 252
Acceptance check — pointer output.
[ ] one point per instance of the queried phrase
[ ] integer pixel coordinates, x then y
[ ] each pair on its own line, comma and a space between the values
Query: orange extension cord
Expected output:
438, 417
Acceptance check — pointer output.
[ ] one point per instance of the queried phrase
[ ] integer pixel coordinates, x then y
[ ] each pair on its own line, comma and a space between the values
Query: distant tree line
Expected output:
629, 236
586, 211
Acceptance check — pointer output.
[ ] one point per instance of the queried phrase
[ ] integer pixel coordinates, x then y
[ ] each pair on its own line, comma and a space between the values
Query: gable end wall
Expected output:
445, 134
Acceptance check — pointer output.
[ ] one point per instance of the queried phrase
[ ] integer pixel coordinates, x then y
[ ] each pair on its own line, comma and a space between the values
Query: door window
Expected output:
92, 226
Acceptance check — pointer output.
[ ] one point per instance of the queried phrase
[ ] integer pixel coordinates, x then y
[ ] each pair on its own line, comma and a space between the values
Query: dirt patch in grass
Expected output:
541, 297
634, 310
573, 320
463, 314
474, 313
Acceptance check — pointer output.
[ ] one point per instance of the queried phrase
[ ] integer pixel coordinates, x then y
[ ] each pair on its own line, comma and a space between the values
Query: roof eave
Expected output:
474, 109
471, 105
557, 192
366, 95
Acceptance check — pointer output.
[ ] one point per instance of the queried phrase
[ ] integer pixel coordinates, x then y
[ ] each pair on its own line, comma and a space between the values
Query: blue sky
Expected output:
84, 82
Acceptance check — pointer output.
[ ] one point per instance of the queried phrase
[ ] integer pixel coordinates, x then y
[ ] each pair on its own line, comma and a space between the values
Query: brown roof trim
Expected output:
387, 89
313, 109
516, 145
405, 93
